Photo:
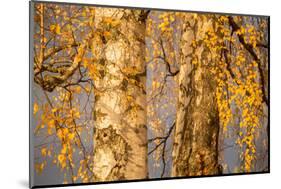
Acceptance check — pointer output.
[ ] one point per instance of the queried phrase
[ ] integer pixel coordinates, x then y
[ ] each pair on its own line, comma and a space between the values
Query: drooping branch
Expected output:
250, 49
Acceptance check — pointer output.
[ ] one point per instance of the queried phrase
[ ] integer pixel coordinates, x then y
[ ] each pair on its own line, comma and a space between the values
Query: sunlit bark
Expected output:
197, 122
120, 139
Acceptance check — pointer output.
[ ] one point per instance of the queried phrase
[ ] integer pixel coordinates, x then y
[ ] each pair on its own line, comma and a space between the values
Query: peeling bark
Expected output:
197, 125
120, 135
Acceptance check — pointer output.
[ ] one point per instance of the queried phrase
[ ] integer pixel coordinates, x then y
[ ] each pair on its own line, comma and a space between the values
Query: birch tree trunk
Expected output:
120, 135
197, 125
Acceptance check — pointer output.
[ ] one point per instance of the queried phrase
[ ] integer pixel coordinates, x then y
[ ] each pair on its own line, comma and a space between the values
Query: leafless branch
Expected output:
164, 140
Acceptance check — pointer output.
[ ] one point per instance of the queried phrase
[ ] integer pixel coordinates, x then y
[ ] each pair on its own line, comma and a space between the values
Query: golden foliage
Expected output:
61, 115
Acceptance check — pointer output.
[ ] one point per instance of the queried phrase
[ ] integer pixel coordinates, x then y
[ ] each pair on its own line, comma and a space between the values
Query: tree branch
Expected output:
164, 142
250, 49
49, 82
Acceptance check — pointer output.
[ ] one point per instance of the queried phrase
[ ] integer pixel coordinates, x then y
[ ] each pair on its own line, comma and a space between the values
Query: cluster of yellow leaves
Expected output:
55, 28
166, 20
59, 120
246, 95
253, 36
242, 92
45, 152
65, 155
251, 106
240, 59
211, 40
82, 170
215, 44
223, 102
223, 19
58, 115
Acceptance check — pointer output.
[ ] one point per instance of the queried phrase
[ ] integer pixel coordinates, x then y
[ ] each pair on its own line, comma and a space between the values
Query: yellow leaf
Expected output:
55, 28
61, 159
49, 131
155, 84
51, 123
58, 29
65, 131
52, 27
35, 108
44, 152
39, 167
77, 114
71, 136
64, 149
